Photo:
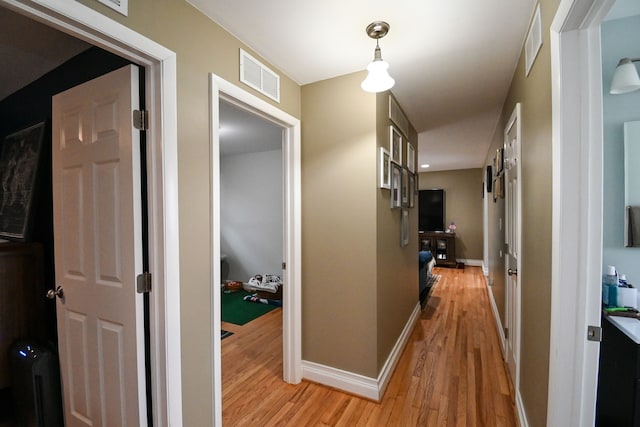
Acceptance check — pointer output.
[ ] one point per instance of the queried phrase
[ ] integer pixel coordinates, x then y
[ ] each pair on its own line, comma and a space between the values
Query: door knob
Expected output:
58, 292
512, 272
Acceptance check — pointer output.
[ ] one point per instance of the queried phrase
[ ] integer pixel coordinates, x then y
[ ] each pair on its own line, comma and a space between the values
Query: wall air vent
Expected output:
121, 6
534, 40
397, 116
253, 73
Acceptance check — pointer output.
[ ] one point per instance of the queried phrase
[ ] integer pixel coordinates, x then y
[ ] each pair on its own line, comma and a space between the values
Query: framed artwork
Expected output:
498, 162
396, 186
384, 168
395, 145
404, 228
411, 157
405, 187
411, 190
19, 159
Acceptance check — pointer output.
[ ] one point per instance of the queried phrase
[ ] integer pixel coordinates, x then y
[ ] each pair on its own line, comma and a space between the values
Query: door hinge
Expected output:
594, 333
506, 333
284, 265
141, 119
143, 283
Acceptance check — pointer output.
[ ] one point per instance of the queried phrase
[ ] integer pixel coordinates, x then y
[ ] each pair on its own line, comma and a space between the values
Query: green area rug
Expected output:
237, 311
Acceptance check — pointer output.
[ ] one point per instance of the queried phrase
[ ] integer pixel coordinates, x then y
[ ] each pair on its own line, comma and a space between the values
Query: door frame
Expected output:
514, 336
86, 24
292, 302
577, 143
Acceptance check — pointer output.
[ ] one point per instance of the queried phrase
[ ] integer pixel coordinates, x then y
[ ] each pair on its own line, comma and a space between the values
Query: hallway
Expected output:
450, 374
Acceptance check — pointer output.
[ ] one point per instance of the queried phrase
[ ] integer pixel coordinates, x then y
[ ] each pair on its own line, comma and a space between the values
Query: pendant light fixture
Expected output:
625, 78
378, 79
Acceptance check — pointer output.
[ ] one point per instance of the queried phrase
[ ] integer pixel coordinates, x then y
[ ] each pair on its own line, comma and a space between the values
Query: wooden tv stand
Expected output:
442, 245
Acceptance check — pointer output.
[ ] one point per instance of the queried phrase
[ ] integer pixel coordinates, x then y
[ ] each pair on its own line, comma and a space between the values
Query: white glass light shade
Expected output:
378, 79
625, 78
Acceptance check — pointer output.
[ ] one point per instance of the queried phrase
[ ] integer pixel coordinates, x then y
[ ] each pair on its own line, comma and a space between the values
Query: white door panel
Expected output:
98, 251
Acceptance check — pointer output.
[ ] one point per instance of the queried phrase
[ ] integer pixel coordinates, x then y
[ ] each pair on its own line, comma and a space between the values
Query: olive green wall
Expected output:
359, 285
397, 266
201, 47
463, 204
339, 225
495, 233
534, 94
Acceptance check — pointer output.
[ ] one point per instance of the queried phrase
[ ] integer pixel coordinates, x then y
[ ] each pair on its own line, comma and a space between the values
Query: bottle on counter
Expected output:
610, 286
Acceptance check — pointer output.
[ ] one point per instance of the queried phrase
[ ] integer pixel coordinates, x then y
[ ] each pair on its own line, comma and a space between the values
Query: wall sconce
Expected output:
378, 79
625, 78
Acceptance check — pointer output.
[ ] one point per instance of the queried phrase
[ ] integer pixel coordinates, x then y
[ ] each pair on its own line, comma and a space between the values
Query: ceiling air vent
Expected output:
534, 40
253, 73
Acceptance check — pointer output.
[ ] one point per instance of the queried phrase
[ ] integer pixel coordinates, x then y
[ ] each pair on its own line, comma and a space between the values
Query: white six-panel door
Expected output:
512, 239
98, 251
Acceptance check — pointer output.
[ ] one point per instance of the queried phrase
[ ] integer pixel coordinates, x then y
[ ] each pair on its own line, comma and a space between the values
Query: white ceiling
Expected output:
452, 60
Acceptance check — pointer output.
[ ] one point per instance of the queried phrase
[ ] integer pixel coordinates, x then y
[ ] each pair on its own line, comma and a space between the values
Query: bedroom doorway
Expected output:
83, 23
228, 100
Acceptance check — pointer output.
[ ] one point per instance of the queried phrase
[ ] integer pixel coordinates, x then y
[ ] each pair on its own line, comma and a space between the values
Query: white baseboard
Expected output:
371, 388
472, 262
520, 413
341, 380
485, 270
496, 316
522, 416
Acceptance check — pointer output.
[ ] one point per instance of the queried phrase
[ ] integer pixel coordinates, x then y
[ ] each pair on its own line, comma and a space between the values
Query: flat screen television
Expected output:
431, 210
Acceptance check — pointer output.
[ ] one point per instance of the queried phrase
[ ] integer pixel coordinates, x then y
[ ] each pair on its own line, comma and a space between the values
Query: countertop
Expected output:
629, 325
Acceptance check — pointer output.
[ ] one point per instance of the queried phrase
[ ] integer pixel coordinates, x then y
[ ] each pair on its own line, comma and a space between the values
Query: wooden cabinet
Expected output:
442, 245
618, 402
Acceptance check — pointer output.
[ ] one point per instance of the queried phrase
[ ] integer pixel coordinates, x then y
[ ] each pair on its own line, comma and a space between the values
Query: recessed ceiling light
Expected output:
424, 166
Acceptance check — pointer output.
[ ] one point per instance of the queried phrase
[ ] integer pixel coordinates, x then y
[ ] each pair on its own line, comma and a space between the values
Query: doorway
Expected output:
223, 91
159, 63
576, 73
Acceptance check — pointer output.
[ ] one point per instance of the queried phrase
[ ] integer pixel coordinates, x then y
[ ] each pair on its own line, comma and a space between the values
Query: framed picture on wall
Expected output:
411, 190
395, 145
411, 157
405, 187
384, 168
19, 160
404, 228
396, 186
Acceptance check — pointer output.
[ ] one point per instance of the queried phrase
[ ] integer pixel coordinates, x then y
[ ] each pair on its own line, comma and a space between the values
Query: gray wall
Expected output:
251, 213
620, 38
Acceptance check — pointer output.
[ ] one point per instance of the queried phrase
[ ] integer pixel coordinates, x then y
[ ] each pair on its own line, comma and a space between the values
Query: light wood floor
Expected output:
450, 374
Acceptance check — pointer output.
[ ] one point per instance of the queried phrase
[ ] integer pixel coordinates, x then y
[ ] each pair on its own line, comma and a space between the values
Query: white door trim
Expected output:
162, 176
292, 318
577, 210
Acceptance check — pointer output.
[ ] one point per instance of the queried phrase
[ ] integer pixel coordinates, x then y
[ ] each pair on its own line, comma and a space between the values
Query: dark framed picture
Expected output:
411, 189
489, 178
19, 159
396, 186
405, 187
395, 145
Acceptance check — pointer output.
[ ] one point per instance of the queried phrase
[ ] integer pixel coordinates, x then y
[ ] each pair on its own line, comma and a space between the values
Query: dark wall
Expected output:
31, 105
